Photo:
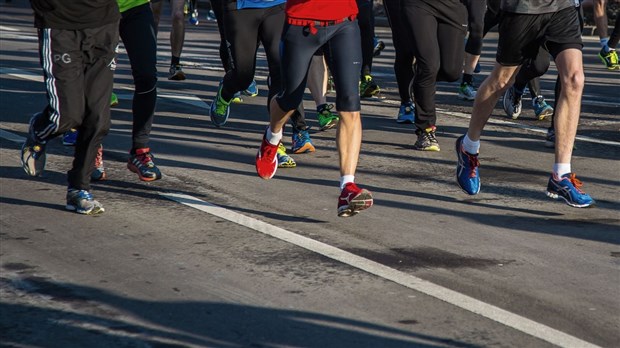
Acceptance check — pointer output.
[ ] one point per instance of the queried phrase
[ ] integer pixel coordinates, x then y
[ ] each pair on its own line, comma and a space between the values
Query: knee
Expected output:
178, 17
573, 83
451, 74
348, 103
425, 70
145, 82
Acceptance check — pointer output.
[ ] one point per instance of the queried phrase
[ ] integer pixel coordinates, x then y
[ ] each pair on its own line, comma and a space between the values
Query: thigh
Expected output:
519, 38
422, 26
346, 56
452, 48
242, 35
563, 31
137, 32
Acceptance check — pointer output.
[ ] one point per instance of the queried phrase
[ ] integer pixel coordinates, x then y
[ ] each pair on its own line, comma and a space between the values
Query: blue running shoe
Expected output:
467, 174
302, 142
220, 109
568, 187
252, 89
406, 113
237, 98
541, 108
70, 137
82, 202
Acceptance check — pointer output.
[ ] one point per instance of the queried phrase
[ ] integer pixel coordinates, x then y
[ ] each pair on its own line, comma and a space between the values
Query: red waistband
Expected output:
311, 24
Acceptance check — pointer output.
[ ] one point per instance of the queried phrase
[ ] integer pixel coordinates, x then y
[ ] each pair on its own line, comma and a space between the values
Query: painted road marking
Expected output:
457, 299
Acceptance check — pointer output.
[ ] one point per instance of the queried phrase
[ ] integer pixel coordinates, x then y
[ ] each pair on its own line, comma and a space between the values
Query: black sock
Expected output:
468, 79
175, 61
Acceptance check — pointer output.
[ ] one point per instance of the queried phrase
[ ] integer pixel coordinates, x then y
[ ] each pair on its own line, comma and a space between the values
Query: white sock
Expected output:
604, 45
345, 179
470, 146
560, 169
273, 138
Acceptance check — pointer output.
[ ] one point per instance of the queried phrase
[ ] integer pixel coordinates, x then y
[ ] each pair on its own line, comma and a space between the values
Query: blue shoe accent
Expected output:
541, 108
467, 174
406, 113
568, 188
220, 109
70, 137
252, 89
302, 142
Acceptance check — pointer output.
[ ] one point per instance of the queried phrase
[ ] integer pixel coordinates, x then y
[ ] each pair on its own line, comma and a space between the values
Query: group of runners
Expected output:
303, 41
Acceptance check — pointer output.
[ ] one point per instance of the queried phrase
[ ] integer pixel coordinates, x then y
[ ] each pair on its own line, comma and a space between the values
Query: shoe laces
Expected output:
302, 136
144, 157
540, 102
473, 163
221, 105
325, 109
576, 182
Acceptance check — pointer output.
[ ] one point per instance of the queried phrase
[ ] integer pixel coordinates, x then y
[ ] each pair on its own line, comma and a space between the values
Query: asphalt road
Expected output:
213, 256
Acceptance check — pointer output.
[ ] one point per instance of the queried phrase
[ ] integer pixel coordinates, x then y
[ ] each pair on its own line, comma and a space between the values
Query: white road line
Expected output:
457, 299
2, 27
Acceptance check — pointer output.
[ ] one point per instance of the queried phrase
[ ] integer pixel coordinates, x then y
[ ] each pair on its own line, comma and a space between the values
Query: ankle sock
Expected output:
273, 138
560, 169
345, 179
470, 146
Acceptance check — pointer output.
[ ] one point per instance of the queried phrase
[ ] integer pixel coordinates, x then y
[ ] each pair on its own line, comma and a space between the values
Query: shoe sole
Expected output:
361, 202
329, 126
304, 149
404, 121
545, 114
177, 77
94, 211
428, 148
29, 163
557, 197
464, 97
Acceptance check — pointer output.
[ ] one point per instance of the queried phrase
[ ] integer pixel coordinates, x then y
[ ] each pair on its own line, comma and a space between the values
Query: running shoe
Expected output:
141, 163
237, 98
568, 188
302, 142
220, 109
82, 202
368, 88
70, 137
284, 160
33, 152
379, 46
406, 113
427, 141
211, 16
467, 175
327, 118
353, 199
541, 108
467, 91
550, 138
176, 73
113, 100
266, 159
610, 59
512, 103
252, 89
98, 173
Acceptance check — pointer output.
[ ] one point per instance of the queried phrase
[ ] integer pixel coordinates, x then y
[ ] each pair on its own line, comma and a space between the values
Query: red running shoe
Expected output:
266, 159
353, 199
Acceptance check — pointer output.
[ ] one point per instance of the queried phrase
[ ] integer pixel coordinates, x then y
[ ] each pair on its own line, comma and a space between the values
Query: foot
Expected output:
610, 59
141, 163
284, 160
266, 159
368, 88
176, 73
82, 202
467, 91
327, 118
568, 188
33, 152
98, 173
70, 137
252, 89
541, 108
406, 113
427, 141
302, 142
467, 175
353, 199
512, 103
220, 109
